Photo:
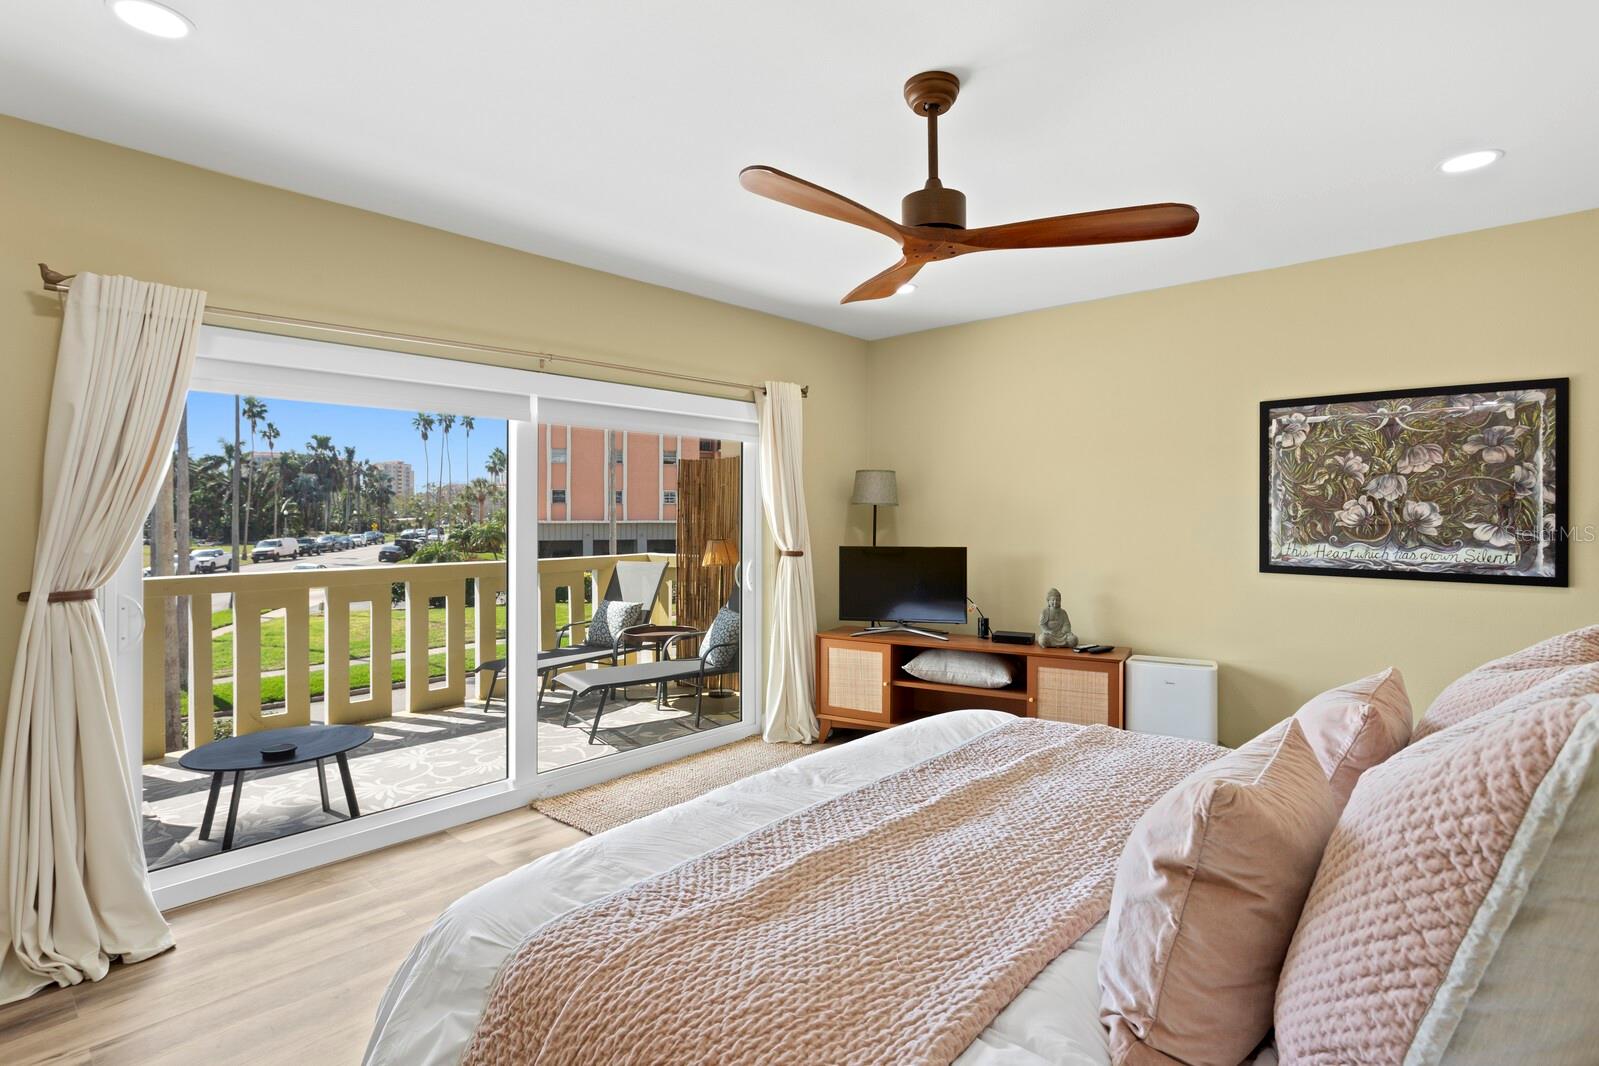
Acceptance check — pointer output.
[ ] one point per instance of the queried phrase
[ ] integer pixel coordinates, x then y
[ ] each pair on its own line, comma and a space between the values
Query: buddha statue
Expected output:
1054, 624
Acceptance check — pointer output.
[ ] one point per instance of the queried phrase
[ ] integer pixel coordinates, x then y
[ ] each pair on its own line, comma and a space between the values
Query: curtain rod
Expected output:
55, 281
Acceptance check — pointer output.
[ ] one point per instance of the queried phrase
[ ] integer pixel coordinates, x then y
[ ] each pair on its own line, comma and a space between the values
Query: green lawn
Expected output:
272, 637
360, 677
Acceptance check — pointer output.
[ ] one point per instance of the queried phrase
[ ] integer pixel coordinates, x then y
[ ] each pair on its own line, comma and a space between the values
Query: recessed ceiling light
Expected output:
1460, 164
906, 289
147, 16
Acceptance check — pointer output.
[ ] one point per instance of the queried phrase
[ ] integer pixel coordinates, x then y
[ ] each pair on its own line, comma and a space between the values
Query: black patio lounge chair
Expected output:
633, 581
718, 654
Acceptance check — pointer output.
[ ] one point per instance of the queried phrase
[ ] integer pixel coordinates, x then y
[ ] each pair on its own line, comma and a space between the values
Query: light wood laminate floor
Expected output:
288, 972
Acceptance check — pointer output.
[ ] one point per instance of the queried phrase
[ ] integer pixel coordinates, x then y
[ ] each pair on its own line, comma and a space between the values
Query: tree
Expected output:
208, 496
423, 424
445, 422
254, 412
305, 491
163, 548
352, 485
324, 462
496, 465
479, 490
270, 434
468, 424
379, 491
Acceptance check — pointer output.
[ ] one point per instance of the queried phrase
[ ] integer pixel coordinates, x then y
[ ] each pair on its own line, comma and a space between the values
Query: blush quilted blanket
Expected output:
888, 925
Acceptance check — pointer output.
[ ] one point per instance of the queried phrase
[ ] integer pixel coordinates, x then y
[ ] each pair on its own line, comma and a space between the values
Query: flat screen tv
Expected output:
902, 584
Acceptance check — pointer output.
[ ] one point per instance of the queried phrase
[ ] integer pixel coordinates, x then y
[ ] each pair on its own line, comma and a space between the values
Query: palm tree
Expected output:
445, 422
324, 461
305, 490
496, 464
468, 424
480, 490
379, 492
254, 412
270, 434
423, 424
352, 484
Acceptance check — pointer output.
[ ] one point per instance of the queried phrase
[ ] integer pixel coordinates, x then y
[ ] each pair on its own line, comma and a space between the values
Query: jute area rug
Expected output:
613, 803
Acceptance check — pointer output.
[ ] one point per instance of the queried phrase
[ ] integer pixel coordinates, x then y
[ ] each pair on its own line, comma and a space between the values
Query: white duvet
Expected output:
431, 1007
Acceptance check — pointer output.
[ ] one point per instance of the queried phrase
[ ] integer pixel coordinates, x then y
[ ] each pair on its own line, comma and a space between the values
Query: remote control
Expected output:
1094, 649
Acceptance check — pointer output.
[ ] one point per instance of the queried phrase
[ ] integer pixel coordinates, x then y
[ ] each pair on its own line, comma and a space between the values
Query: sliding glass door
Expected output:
641, 566
478, 584
646, 558
325, 565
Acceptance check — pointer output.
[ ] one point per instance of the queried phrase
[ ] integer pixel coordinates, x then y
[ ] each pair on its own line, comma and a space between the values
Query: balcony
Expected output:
354, 644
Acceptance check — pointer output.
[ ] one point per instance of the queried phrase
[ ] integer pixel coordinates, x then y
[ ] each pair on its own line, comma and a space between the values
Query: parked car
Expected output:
327, 543
344, 541
310, 566
308, 546
402, 548
373, 536
273, 548
209, 560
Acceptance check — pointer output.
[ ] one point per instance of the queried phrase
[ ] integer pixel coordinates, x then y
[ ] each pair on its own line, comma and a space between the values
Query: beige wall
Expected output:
1110, 448
85, 205
1107, 447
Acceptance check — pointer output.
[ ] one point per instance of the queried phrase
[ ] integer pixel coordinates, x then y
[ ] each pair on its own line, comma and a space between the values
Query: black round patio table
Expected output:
240, 755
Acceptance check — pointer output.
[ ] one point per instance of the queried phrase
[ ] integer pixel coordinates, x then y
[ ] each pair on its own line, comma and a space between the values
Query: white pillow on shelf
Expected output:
969, 669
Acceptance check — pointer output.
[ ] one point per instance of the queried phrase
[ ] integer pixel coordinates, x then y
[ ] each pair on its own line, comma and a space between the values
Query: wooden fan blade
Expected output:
797, 192
1147, 223
887, 283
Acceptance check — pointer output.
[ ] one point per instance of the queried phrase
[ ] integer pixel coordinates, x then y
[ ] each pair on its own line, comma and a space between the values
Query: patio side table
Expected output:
652, 638
240, 755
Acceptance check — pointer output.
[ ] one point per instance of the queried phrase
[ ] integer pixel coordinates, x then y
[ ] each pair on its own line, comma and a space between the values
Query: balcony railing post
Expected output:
486, 630
248, 607
340, 705
419, 693
202, 727
155, 677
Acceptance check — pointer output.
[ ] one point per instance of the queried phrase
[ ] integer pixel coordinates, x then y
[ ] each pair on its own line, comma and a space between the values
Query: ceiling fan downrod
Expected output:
930, 94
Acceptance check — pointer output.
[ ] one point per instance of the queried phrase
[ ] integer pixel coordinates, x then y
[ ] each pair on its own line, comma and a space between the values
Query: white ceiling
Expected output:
611, 134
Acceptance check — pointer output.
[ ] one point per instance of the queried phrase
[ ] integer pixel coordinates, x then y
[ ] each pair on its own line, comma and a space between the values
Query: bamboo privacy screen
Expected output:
707, 509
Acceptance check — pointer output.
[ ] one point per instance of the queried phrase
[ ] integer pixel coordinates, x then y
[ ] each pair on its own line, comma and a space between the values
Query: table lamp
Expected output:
878, 488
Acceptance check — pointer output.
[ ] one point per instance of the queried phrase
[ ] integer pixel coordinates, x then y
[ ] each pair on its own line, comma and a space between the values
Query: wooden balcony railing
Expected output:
293, 592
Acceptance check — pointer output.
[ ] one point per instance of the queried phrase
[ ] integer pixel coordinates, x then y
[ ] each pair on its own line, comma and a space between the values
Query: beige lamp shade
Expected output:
720, 552
876, 487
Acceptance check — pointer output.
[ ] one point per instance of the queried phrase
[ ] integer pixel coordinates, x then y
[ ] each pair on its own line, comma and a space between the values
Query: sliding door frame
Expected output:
300, 369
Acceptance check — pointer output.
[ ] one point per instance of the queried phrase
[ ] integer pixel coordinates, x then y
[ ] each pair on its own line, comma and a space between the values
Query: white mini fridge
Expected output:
1172, 697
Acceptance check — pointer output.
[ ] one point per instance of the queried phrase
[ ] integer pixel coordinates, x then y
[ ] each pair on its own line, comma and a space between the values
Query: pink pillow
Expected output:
1207, 892
1510, 676
1356, 726
1423, 873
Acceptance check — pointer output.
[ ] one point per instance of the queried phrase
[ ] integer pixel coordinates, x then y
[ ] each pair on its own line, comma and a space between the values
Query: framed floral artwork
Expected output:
1465, 483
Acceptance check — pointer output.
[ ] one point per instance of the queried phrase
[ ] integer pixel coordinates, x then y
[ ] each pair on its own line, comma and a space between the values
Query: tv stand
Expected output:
861, 682
900, 627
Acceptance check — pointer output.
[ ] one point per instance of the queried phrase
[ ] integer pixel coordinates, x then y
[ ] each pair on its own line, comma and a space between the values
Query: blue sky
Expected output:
376, 433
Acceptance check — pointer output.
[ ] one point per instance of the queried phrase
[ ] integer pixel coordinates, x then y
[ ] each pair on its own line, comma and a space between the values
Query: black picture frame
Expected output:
1559, 548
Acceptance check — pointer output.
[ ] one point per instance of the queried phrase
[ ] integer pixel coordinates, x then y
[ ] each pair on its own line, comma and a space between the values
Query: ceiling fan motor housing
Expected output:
934, 205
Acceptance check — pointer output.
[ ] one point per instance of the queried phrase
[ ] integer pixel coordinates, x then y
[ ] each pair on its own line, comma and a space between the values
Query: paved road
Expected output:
366, 555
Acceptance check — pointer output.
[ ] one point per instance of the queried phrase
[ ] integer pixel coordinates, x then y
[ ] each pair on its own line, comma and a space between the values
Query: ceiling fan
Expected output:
934, 224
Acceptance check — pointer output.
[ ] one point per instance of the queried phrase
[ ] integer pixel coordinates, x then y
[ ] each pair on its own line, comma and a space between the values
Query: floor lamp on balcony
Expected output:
878, 488
721, 554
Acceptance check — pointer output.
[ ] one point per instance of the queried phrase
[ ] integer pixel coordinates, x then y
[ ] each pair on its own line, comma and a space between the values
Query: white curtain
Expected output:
790, 708
74, 889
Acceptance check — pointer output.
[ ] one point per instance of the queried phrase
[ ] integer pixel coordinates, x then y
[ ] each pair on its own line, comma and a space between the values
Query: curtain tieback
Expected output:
69, 596
785, 551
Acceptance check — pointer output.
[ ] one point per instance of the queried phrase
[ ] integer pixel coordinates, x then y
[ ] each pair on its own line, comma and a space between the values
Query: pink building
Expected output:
573, 515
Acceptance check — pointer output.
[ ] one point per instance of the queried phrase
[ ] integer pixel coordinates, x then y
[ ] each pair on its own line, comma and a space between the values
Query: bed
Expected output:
432, 1007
